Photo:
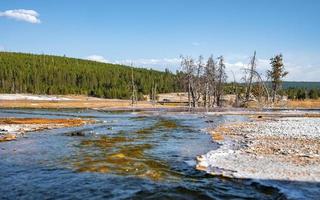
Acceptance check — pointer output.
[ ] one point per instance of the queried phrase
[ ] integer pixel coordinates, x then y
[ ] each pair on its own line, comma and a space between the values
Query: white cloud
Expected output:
30, 16
98, 58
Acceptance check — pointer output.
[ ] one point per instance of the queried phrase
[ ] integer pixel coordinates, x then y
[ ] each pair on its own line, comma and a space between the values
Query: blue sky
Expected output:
154, 33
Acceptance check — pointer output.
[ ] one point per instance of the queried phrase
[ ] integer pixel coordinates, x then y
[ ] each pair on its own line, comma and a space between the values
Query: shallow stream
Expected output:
126, 155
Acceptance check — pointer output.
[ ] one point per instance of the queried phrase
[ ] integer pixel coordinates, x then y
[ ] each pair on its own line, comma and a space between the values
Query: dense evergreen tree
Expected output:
45, 74
302, 93
276, 74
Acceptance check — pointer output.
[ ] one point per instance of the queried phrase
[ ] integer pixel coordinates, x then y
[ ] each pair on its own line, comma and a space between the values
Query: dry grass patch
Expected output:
304, 103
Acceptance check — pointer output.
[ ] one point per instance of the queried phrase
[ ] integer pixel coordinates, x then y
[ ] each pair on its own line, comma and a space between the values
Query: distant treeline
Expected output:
45, 74
302, 93
300, 90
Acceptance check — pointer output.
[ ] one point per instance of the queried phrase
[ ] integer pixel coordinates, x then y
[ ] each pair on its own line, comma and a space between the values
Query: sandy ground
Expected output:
11, 128
79, 101
277, 149
70, 101
286, 148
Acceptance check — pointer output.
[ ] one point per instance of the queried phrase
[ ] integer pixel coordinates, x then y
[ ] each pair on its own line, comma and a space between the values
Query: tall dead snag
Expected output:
255, 85
276, 74
235, 90
198, 81
258, 87
134, 90
251, 76
210, 83
154, 94
221, 79
187, 64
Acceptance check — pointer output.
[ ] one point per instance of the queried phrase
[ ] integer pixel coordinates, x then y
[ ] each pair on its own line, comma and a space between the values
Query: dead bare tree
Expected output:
251, 76
198, 89
204, 80
134, 90
255, 85
154, 93
221, 79
260, 86
187, 65
210, 83
236, 90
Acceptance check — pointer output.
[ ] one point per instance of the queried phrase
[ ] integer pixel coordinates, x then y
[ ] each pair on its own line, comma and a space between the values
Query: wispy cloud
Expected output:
155, 63
97, 58
237, 68
30, 16
234, 66
172, 64
298, 70
150, 61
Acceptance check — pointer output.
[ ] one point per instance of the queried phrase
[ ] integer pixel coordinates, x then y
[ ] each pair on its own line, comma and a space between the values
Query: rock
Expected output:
75, 134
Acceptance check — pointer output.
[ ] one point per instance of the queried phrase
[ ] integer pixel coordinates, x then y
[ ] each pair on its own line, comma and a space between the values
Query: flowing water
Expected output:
126, 155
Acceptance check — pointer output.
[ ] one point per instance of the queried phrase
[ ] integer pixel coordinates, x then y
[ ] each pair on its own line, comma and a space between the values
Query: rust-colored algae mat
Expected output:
124, 155
13, 127
66, 122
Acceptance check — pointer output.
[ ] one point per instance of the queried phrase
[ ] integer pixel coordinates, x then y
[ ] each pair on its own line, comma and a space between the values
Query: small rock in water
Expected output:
76, 133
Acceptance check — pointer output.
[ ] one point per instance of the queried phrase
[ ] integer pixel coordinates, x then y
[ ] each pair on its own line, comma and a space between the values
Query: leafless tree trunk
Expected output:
133, 87
236, 91
187, 64
154, 93
259, 81
210, 82
221, 80
251, 74
198, 81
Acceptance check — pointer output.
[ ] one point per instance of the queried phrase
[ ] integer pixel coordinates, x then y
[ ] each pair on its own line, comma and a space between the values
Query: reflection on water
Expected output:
127, 155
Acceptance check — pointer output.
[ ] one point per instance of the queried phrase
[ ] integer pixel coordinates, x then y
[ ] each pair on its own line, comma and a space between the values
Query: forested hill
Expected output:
44, 74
